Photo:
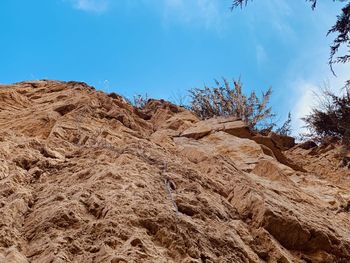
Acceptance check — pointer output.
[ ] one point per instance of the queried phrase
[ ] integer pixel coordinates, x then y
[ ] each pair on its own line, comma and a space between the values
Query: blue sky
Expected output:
165, 47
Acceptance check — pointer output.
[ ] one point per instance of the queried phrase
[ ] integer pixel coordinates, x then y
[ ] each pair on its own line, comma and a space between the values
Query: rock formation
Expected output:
86, 177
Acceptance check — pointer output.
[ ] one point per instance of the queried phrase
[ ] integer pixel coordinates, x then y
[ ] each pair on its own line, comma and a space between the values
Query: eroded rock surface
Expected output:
229, 125
85, 177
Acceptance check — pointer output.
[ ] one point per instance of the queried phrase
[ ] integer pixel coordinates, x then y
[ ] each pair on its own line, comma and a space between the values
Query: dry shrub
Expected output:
226, 100
331, 117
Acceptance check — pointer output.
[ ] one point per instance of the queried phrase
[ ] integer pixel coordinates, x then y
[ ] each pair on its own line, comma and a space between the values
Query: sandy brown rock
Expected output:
327, 160
282, 142
272, 145
229, 125
85, 177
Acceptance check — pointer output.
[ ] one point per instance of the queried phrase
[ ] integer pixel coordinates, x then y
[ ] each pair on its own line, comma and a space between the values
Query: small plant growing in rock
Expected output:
286, 128
229, 100
140, 101
179, 99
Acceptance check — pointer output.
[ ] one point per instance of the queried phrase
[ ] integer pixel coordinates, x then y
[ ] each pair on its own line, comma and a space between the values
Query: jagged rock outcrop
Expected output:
229, 125
272, 144
328, 160
85, 177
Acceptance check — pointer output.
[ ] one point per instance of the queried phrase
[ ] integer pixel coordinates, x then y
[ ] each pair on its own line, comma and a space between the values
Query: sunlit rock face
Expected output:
86, 177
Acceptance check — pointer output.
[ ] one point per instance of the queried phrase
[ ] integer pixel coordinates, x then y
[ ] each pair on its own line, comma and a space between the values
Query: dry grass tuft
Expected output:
229, 100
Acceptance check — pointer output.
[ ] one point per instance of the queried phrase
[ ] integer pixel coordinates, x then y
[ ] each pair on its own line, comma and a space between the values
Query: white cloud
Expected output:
261, 55
206, 13
306, 99
277, 12
305, 91
97, 6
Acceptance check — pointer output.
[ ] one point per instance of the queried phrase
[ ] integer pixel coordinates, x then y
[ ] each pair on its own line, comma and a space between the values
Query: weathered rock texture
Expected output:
85, 177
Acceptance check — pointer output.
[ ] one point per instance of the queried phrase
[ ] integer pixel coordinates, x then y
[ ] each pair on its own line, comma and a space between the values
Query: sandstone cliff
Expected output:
85, 177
